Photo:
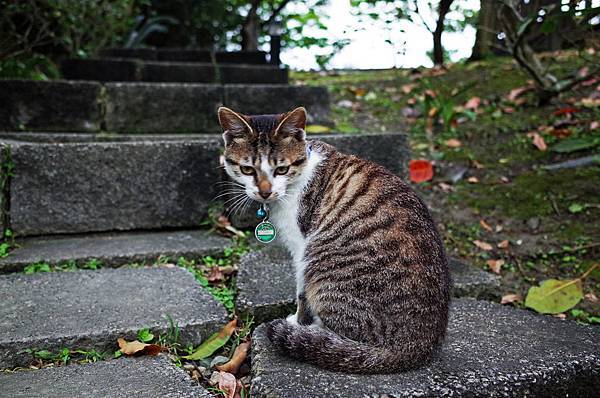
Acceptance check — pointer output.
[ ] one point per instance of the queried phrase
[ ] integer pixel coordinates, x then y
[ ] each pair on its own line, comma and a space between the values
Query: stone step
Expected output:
166, 108
490, 351
92, 309
113, 249
184, 55
131, 70
267, 284
128, 377
82, 183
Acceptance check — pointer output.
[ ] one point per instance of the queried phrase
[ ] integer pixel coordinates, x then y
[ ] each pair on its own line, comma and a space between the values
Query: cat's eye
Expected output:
248, 170
282, 170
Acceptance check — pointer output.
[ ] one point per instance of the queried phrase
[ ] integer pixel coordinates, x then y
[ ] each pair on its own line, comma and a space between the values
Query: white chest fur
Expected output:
284, 214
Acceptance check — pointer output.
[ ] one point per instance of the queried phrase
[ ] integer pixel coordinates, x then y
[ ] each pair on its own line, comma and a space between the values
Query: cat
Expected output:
373, 285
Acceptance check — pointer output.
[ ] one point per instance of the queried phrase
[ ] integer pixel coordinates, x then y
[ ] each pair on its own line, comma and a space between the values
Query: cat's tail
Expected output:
328, 350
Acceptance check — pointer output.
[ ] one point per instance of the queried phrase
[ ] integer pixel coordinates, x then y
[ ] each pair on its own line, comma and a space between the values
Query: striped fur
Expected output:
374, 288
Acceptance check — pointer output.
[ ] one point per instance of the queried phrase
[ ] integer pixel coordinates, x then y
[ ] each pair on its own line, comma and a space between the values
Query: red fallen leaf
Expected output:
420, 170
239, 356
560, 133
565, 111
227, 384
495, 265
485, 225
482, 245
590, 82
511, 298
538, 141
473, 103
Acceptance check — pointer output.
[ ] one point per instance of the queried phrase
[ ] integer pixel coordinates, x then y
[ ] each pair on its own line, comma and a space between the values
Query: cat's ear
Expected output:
292, 125
233, 124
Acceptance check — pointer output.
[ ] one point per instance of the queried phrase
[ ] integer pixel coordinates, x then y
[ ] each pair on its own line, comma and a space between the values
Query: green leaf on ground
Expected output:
145, 336
317, 129
576, 208
213, 343
575, 144
554, 296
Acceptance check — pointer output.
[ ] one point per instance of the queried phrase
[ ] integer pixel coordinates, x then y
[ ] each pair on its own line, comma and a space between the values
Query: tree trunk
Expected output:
251, 29
438, 49
487, 28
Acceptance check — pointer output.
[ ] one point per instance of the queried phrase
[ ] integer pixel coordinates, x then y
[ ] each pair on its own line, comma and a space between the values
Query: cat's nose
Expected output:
264, 195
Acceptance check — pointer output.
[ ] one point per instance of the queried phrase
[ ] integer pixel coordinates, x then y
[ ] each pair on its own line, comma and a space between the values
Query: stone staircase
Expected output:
119, 165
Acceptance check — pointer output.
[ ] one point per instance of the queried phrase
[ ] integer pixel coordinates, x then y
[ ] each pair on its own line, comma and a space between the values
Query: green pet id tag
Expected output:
265, 231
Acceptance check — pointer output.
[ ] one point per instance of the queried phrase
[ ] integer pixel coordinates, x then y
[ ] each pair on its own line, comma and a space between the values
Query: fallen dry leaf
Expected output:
538, 141
453, 143
482, 245
591, 297
473, 103
511, 298
560, 133
499, 228
504, 244
477, 165
561, 316
517, 92
473, 180
495, 265
509, 109
407, 88
227, 384
594, 125
446, 187
504, 180
138, 348
238, 358
215, 274
485, 225
420, 170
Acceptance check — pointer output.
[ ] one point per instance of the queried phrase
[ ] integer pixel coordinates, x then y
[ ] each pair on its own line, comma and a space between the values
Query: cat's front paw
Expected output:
292, 319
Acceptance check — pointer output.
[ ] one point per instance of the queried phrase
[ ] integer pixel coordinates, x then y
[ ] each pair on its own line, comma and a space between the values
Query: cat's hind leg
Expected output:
304, 315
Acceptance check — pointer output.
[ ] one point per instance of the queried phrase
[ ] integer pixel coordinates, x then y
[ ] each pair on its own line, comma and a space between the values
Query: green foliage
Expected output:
554, 296
71, 265
66, 356
144, 335
585, 317
33, 33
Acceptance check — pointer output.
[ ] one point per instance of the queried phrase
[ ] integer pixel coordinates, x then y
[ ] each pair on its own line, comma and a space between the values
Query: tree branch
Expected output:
275, 13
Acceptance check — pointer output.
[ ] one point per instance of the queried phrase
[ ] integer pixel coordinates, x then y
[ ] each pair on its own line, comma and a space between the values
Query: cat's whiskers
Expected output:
230, 192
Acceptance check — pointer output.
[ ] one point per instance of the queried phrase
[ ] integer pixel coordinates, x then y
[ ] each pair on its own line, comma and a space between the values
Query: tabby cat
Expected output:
373, 285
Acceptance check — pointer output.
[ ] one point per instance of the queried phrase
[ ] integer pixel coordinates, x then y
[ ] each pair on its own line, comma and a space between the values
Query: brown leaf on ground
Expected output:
538, 141
485, 225
517, 92
407, 88
591, 297
562, 316
446, 187
495, 265
560, 133
238, 358
215, 275
477, 165
228, 384
504, 244
453, 143
138, 348
499, 228
509, 109
482, 245
511, 298
473, 103
473, 180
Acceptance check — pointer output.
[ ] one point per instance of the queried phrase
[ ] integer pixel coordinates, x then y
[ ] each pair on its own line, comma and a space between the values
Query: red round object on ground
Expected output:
420, 170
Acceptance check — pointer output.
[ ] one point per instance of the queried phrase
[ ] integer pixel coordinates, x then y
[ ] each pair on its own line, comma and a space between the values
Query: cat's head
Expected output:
264, 153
